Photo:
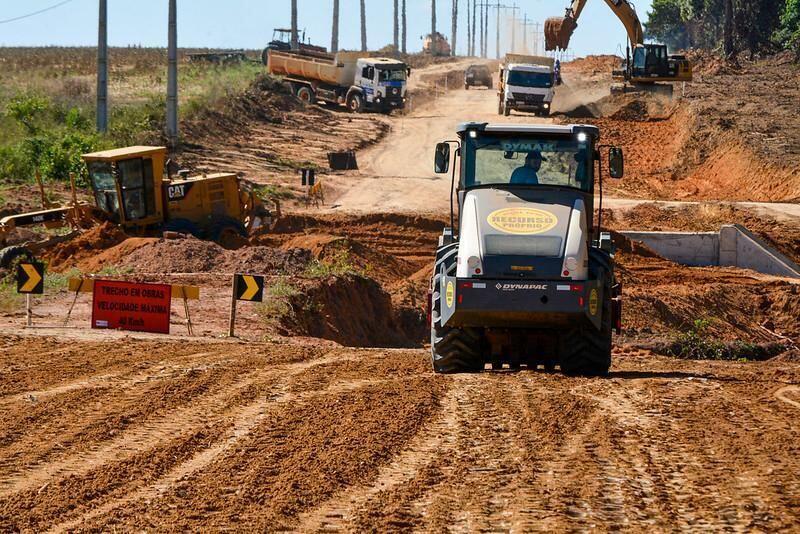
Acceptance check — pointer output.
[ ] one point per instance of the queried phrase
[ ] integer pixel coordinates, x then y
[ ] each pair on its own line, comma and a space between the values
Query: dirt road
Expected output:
205, 435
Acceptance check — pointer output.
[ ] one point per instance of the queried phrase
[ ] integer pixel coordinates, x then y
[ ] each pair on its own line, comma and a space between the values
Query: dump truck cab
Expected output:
527, 83
382, 82
524, 275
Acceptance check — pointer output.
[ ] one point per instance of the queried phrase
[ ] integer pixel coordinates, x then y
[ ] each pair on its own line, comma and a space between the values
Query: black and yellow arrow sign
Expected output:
249, 287
30, 278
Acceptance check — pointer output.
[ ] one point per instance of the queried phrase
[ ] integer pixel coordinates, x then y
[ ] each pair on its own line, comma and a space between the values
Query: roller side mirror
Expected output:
442, 159
616, 162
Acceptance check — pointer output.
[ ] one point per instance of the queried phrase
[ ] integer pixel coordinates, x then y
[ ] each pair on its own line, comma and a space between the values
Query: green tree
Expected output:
665, 23
788, 34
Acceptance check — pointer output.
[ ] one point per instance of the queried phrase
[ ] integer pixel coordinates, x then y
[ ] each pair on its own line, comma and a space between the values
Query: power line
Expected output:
35, 12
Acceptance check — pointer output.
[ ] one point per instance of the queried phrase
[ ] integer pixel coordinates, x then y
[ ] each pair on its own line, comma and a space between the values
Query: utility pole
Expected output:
469, 29
480, 41
363, 26
102, 68
504, 7
172, 75
396, 25
335, 29
453, 26
405, 29
294, 38
534, 50
514, 28
474, 29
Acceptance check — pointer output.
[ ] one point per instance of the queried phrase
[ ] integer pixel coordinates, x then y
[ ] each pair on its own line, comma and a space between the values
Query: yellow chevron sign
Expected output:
249, 287
30, 278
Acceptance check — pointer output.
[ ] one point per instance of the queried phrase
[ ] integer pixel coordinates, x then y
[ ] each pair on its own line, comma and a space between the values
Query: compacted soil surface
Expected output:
143, 434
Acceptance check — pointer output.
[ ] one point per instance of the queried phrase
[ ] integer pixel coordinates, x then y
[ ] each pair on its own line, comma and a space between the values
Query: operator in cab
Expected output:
528, 173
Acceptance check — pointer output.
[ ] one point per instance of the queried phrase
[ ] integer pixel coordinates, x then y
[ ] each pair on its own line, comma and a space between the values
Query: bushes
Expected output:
697, 344
54, 137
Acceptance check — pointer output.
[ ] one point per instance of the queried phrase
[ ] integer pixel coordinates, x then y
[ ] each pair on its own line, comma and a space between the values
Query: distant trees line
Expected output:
728, 25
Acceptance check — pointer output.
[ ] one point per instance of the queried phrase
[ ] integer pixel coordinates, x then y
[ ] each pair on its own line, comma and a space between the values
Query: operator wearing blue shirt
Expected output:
527, 174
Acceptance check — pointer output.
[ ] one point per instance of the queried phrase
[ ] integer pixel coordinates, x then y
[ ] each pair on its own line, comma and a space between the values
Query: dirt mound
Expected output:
593, 65
192, 255
373, 262
707, 63
351, 310
85, 245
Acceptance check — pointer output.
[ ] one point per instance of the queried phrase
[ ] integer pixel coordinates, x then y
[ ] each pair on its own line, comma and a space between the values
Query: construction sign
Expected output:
137, 307
30, 278
249, 287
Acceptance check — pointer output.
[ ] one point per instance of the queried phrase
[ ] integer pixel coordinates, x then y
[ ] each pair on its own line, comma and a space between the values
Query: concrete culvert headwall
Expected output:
732, 246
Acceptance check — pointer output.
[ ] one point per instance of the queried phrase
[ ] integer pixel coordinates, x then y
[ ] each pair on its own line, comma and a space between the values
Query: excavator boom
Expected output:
558, 30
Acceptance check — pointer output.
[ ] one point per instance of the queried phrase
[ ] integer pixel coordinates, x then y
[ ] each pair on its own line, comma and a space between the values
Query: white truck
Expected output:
346, 79
527, 83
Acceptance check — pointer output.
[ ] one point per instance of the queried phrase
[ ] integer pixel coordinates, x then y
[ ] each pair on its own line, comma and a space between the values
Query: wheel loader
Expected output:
524, 275
133, 188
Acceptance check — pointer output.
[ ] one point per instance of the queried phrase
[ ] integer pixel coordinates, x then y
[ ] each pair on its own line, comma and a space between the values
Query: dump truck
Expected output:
132, 187
478, 75
527, 83
347, 79
523, 275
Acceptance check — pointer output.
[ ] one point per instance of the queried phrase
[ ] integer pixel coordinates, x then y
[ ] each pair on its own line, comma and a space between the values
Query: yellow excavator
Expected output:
645, 63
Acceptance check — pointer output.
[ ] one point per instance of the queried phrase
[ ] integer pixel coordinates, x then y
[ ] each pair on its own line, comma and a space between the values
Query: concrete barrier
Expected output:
732, 246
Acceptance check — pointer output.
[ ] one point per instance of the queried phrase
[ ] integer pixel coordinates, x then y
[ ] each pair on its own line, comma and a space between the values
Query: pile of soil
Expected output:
593, 65
373, 262
190, 255
87, 244
352, 310
707, 63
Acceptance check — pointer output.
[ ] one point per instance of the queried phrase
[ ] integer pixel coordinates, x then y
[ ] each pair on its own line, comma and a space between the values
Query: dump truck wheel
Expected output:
355, 103
306, 94
11, 256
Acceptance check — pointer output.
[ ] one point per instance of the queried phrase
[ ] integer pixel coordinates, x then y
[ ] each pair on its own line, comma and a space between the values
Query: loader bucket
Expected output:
558, 31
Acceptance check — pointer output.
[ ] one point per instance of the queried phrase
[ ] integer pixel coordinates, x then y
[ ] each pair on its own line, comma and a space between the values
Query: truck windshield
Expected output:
525, 161
394, 75
530, 79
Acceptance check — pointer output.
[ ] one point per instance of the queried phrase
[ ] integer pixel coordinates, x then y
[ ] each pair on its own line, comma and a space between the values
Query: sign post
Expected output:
30, 281
248, 288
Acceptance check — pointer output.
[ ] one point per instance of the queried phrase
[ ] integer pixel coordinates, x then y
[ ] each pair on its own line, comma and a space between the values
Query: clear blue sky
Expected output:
249, 23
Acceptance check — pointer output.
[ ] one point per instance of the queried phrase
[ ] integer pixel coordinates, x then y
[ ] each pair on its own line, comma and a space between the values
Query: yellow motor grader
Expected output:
132, 187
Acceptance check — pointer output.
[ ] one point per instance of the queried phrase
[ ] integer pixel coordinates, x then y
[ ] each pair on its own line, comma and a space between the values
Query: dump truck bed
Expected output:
336, 70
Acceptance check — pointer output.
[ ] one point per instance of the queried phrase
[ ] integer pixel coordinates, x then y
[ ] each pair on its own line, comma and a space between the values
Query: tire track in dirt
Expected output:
141, 437
338, 512
245, 419
781, 395
159, 371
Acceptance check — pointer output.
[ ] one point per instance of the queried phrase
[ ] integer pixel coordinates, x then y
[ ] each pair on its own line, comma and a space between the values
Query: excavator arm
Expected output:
558, 30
